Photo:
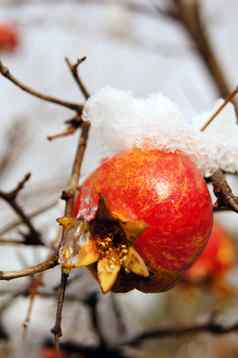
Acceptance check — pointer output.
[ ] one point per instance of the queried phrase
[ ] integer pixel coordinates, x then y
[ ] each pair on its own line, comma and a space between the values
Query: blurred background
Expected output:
140, 46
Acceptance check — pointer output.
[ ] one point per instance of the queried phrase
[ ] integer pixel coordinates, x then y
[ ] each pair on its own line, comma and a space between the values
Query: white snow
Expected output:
121, 121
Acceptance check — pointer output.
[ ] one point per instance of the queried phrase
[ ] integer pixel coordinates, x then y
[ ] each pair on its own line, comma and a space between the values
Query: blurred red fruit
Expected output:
216, 260
50, 352
161, 202
9, 38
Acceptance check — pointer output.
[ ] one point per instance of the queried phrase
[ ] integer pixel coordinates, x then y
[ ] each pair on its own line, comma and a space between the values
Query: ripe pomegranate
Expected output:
216, 260
143, 217
9, 38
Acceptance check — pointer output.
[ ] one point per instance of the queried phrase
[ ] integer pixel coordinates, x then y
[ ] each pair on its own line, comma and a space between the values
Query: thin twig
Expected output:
49, 263
40, 293
220, 109
71, 190
4, 241
69, 196
34, 236
13, 225
65, 133
70, 105
118, 315
16, 142
13, 194
92, 302
175, 332
57, 330
35, 284
71, 280
28, 316
73, 67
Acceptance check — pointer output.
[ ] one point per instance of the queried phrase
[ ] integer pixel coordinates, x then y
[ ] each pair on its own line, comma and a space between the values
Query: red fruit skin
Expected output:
50, 353
9, 39
217, 258
165, 190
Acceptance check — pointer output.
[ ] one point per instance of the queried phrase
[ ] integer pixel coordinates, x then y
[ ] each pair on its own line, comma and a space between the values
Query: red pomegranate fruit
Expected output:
142, 218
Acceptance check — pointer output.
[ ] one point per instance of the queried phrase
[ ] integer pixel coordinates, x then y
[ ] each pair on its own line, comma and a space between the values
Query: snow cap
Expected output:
121, 121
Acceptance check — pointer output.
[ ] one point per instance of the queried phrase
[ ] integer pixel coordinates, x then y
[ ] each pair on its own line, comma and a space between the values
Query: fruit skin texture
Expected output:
165, 190
216, 260
9, 39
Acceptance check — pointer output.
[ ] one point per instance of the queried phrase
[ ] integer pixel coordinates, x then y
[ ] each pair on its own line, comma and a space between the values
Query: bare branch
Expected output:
70, 105
69, 196
71, 190
34, 236
35, 284
169, 11
175, 332
56, 330
65, 133
74, 71
225, 197
13, 194
122, 328
4, 241
92, 302
13, 225
49, 263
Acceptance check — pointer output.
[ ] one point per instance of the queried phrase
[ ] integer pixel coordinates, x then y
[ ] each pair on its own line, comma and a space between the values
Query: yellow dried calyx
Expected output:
84, 246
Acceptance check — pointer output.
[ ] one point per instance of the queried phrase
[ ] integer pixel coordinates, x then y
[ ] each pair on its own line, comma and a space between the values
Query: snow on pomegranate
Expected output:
143, 214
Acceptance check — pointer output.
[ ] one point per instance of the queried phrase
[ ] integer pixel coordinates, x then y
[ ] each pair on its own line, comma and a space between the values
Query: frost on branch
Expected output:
120, 121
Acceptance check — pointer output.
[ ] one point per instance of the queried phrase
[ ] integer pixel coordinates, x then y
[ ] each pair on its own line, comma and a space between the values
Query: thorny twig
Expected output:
33, 237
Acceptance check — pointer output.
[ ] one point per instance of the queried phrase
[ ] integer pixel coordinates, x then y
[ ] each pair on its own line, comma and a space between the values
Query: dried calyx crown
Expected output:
104, 245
